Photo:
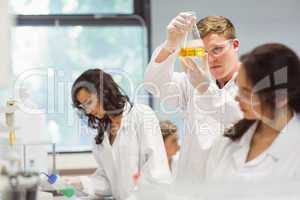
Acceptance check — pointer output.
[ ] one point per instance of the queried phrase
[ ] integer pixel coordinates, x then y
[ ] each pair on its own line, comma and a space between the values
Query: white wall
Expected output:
5, 70
256, 21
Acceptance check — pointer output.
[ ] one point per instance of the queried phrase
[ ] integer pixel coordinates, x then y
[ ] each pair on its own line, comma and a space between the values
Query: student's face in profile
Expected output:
90, 104
171, 145
248, 101
222, 54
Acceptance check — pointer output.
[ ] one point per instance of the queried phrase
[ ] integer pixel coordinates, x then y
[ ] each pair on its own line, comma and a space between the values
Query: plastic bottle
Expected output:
60, 186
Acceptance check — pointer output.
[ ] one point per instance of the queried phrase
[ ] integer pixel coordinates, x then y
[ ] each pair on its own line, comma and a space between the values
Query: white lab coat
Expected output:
137, 146
205, 115
174, 163
227, 159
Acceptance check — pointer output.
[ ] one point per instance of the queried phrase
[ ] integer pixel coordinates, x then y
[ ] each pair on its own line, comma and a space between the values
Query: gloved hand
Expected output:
196, 70
74, 181
177, 30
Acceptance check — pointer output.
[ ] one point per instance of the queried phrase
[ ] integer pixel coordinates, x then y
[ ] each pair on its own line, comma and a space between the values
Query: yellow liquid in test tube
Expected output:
190, 51
11, 137
10, 123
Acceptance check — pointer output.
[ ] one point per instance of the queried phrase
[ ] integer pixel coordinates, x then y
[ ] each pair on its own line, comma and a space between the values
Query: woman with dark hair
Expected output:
265, 144
128, 144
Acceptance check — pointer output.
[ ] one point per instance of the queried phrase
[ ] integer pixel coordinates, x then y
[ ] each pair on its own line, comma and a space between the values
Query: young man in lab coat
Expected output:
204, 94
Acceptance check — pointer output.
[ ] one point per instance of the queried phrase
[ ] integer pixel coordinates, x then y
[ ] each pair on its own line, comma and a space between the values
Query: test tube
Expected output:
10, 122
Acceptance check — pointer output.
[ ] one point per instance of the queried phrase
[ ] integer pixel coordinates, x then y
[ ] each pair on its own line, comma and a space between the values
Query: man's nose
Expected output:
211, 59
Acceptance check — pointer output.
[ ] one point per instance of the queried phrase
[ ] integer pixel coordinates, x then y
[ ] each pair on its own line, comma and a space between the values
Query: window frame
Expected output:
140, 17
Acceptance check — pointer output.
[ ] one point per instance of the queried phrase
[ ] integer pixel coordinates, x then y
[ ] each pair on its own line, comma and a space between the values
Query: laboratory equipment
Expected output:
10, 154
19, 162
20, 141
10, 121
57, 185
19, 177
191, 46
18, 186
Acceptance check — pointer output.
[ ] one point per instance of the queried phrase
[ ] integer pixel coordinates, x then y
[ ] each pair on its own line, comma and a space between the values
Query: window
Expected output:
50, 51
46, 7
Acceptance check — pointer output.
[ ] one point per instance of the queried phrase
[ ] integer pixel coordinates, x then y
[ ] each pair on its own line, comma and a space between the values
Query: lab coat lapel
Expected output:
107, 159
243, 145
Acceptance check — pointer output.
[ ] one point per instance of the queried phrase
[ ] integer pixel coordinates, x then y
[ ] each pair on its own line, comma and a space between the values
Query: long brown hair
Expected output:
264, 61
109, 95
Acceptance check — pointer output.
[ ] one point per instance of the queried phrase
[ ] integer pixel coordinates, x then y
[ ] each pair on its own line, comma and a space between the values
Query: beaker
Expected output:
192, 45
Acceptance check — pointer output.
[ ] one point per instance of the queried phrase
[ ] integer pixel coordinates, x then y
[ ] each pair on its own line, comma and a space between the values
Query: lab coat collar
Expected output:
127, 108
229, 84
124, 122
125, 114
243, 145
246, 138
287, 140
283, 145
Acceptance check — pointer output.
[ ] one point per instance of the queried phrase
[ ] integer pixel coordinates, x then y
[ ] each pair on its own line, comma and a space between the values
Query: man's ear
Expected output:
236, 44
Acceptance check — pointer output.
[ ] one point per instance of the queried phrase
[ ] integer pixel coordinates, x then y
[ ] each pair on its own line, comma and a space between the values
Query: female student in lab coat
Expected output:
266, 143
128, 144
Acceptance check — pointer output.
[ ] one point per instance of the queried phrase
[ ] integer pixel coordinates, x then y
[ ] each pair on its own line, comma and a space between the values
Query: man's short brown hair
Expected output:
218, 25
167, 128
